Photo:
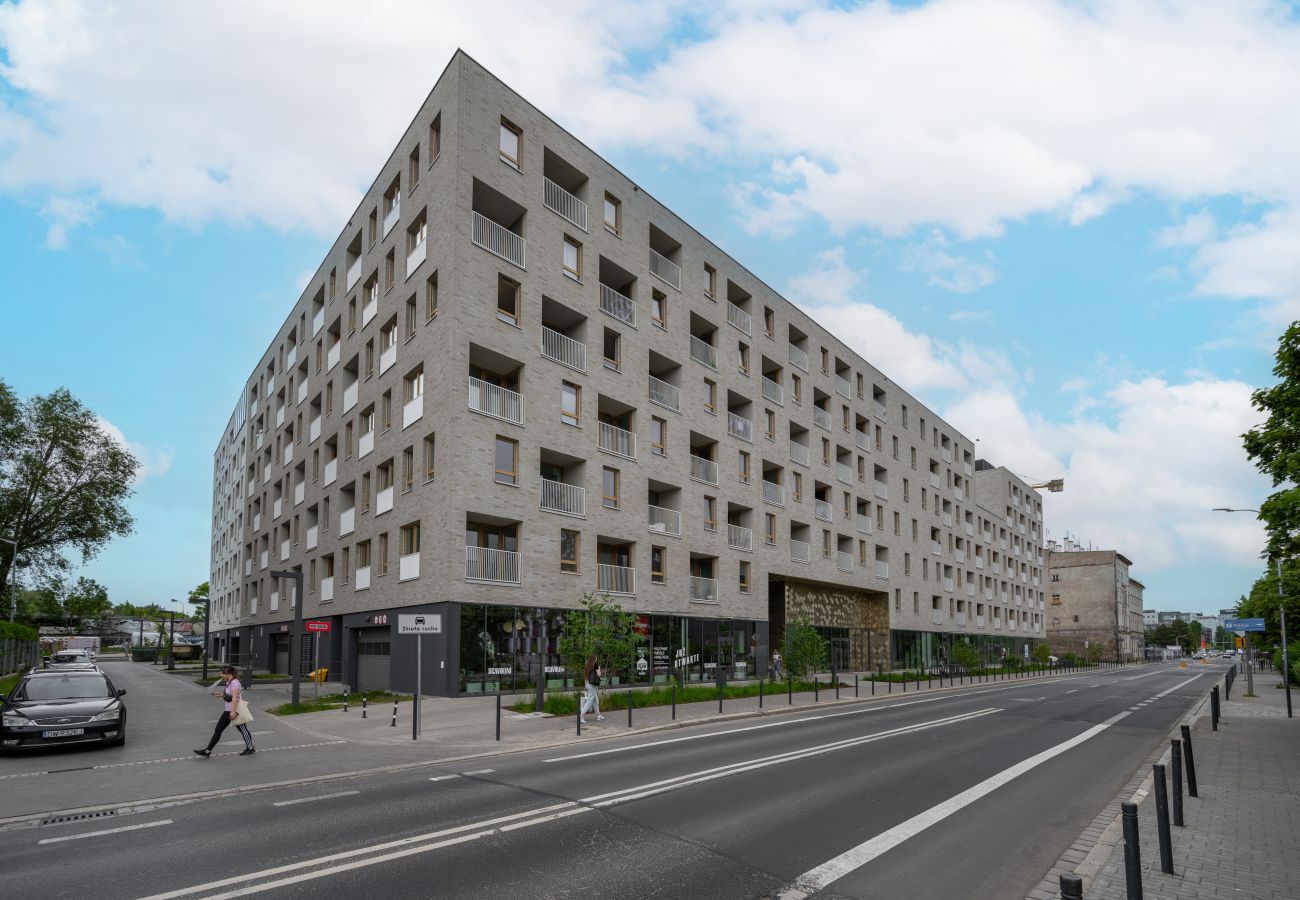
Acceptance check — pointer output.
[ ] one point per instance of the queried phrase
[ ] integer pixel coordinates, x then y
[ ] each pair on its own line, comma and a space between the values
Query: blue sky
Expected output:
1069, 227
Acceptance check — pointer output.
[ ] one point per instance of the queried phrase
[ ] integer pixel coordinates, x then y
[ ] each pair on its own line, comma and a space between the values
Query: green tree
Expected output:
805, 649
601, 627
63, 484
965, 654
1193, 636
40, 606
1041, 653
1274, 447
87, 599
1263, 603
199, 598
1095, 650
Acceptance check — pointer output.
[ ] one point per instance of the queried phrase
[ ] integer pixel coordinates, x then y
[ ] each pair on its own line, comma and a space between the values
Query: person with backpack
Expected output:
591, 674
235, 712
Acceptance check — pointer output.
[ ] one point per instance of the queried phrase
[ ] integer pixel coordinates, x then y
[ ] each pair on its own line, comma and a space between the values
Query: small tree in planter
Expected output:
805, 649
1094, 653
966, 654
1041, 654
601, 627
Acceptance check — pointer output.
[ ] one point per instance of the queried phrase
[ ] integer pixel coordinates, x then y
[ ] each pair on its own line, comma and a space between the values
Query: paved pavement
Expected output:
1242, 834
971, 792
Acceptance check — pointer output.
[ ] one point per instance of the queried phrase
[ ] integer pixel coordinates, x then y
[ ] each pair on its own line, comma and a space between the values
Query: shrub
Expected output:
805, 649
966, 654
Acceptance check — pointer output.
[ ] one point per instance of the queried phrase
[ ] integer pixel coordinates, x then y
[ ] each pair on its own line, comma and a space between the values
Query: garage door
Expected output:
372, 659
282, 654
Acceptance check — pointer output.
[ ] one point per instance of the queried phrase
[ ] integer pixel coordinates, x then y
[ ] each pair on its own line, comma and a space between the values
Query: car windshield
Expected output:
67, 658
66, 687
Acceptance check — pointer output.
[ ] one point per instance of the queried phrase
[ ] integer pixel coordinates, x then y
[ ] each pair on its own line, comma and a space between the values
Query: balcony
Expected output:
412, 411
299, 493
258, 440
408, 567
318, 321
959, 556
279, 417
288, 453
416, 257
565, 499
798, 358
313, 430
979, 621
882, 569
988, 593
960, 619
248, 567
880, 490
997, 623
947, 520
347, 521
302, 390
970, 589
620, 306
291, 357
979, 562
740, 427
947, 584
969, 529
313, 537
823, 510
388, 358
613, 439
265, 559
821, 418
966, 467
366, 445
773, 391
284, 550
934, 479
371, 309
800, 454
843, 473
705, 470
703, 352
564, 204
498, 239
354, 273
333, 355
843, 388
800, 551
276, 507
564, 350
331, 472
864, 524
664, 521
958, 494
350, 394
704, 590
739, 537
862, 441
391, 217
494, 566
266, 473
615, 579
384, 501
738, 318
362, 579
997, 567
946, 453
879, 409
327, 589
666, 395
773, 493
665, 270
497, 402
936, 617
844, 561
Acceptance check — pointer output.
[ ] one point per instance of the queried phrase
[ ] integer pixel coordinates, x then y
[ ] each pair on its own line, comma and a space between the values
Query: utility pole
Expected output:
295, 640
207, 606
171, 639
1286, 660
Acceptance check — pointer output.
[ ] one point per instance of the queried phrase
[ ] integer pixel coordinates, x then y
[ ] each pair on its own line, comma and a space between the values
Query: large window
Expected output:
609, 486
507, 461
511, 143
570, 550
711, 513
658, 565
658, 436
613, 214
410, 538
612, 349
507, 300
572, 258
570, 403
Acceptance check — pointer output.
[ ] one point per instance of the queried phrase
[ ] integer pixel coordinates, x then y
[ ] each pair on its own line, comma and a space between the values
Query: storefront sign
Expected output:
501, 670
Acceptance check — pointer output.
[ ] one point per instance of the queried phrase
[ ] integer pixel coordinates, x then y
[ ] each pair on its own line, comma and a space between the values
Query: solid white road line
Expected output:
479, 772
314, 799
88, 834
443, 777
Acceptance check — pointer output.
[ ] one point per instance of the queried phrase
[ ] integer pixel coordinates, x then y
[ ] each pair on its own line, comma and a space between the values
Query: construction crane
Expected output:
1056, 485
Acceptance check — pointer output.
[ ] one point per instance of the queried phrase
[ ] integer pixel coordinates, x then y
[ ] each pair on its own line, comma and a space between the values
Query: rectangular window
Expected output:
374, 227
798, 486
412, 316
710, 397
435, 138
769, 424
507, 300
390, 270
658, 565
769, 321
347, 559
796, 388
511, 143
370, 357
659, 309
710, 514
611, 348
413, 167
609, 479
431, 297
613, 214
744, 467
744, 576
428, 457
826, 543
770, 528
386, 409
658, 436
383, 553
365, 492
570, 541
410, 538
743, 358
710, 281
570, 403
408, 469
363, 555
572, 258
413, 384
352, 315
507, 461
826, 362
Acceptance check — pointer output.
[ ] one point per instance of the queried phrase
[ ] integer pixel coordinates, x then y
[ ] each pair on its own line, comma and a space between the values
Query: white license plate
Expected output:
63, 732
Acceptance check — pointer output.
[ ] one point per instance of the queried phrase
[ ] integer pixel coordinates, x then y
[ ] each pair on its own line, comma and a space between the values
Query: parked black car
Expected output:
71, 706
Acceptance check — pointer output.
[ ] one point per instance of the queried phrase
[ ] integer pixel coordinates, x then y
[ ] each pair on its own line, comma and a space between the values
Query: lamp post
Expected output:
207, 606
1281, 609
295, 645
171, 638
13, 597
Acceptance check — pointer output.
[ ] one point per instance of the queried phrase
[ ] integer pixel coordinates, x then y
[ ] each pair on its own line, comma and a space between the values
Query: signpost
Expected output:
418, 624
1244, 627
315, 628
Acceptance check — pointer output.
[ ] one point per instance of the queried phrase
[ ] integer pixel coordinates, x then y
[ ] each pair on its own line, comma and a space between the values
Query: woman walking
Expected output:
230, 696
591, 674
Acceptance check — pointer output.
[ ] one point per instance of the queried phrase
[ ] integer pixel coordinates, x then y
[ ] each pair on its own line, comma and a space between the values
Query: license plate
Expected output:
63, 732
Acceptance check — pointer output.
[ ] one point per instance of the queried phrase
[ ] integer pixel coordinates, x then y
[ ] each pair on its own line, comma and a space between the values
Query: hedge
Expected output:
17, 632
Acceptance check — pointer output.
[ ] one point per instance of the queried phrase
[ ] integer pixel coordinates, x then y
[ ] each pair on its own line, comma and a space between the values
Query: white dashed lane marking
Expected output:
313, 799
90, 834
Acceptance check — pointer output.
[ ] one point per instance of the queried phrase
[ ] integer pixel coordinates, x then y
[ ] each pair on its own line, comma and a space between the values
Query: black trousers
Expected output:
222, 722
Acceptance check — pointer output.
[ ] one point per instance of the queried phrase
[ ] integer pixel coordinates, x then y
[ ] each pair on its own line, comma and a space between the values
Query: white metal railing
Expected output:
384, 501
969, 528
395, 213
487, 564
664, 521
498, 402
738, 318
739, 537
362, 579
798, 357
313, 537
997, 567
844, 561
864, 524
317, 321
959, 555
936, 616
313, 430
365, 445
288, 453
347, 521
264, 559
704, 352
934, 479
970, 589
960, 619
302, 390
266, 473
947, 584
880, 489
879, 409
284, 550
566, 499
843, 388
967, 467
291, 357
739, 426
979, 621
350, 394
665, 269
861, 439
988, 593
772, 390
844, 473
387, 359
620, 306
936, 548
800, 551
408, 567
773, 493
613, 439
416, 256
946, 453
564, 204
299, 493
333, 355
823, 510
704, 590
564, 350
821, 418
279, 416
615, 579
666, 395
882, 569
979, 562
498, 239
800, 454
371, 309
947, 519
412, 411
705, 470
354, 273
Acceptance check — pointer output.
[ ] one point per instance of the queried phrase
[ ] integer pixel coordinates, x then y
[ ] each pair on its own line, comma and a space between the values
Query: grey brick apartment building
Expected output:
517, 378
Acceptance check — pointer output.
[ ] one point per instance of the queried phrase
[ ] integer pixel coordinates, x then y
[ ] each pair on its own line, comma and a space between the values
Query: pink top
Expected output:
234, 683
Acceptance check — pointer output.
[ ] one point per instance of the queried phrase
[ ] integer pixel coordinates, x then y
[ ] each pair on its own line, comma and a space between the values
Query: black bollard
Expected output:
836, 676
816, 682
1189, 761
1162, 820
1132, 853
577, 717
498, 715
873, 687
345, 699
674, 701
1176, 759
789, 690
928, 685
394, 714
363, 706
719, 698
855, 684
629, 707
1214, 708
760, 693
1071, 887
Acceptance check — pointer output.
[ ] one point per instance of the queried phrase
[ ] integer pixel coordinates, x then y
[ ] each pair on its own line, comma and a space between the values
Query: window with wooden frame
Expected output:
431, 297
365, 492
710, 513
413, 384
507, 300
710, 281
609, 487
352, 315
429, 457
658, 436
796, 388
612, 349
570, 550
390, 270
798, 486
410, 538
658, 565
386, 409
826, 361
744, 576
770, 528
570, 403
572, 258
408, 469
710, 397
435, 138
769, 424
511, 143
382, 553
742, 358
613, 214
769, 321
346, 556
507, 461
412, 316
826, 543
373, 227
659, 308
370, 358
744, 467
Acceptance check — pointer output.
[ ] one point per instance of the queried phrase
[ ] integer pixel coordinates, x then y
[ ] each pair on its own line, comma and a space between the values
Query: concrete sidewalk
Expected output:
1242, 834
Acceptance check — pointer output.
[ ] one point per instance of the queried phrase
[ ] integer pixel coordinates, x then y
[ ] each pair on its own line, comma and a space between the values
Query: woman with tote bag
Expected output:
235, 712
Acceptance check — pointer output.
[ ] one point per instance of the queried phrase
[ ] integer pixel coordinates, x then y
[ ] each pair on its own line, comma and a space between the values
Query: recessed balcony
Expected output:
704, 352
740, 537
384, 501
318, 319
313, 537
738, 318
615, 579
740, 427
354, 273
564, 204
843, 473
366, 445
773, 493
864, 524
821, 418
705, 470
497, 402
333, 356
800, 454
284, 550
665, 269
299, 492
620, 306
327, 589
664, 521
773, 391
394, 213
416, 257
331, 472
800, 551
822, 509
703, 590
388, 358
350, 394
615, 440
666, 395
798, 358
564, 499
882, 569
564, 350
362, 579
498, 240
493, 566
880, 489
313, 430
408, 567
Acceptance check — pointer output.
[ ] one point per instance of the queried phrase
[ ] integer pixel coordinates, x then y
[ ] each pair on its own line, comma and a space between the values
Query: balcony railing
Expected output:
302, 390
959, 555
936, 617
665, 270
564, 350
498, 239
823, 510
979, 562
844, 473
331, 472
366, 445
844, 561
800, 454
565, 499
740, 537
800, 551
497, 402
798, 358
946, 453
371, 309
327, 589
666, 395
879, 409
664, 521
882, 569
947, 584
416, 256
387, 359
960, 619
412, 411
738, 318
739, 426
486, 564
279, 416
362, 579
393, 214
862, 441
313, 537
620, 306
772, 390
299, 493
705, 470
970, 589
864, 524
333, 355
354, 273
843, 388
564, 204
880, 489
821, 418
947, 519
350, 394
773, 493
979, 621
613, 439
384, 501
615, 579
704, 352
284, 550
704, 590
347, 521
288, 453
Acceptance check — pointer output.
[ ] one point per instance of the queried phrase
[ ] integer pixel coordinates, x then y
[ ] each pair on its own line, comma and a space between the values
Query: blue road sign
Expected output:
1240, 625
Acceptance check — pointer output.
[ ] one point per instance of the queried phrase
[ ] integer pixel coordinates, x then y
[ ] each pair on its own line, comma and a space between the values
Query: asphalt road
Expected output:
972, 794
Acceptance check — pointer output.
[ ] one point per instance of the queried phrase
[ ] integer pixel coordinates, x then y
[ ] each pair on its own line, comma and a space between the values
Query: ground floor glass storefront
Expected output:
927, 649
501, 648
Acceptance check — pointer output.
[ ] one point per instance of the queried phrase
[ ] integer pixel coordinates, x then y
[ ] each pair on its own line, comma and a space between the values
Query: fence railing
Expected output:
564, 349
560, 201
498, 239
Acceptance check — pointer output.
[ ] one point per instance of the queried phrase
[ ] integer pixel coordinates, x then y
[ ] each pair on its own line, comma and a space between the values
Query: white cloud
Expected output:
946, 270
1197, 229
64, 214
153, 462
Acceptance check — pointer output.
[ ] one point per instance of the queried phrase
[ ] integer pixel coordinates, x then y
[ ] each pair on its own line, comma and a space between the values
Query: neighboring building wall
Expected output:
1090, 602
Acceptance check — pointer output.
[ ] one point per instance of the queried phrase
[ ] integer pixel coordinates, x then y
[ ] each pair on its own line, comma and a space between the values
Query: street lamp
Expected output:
171, 639
13, 598
295, 641
1281, 610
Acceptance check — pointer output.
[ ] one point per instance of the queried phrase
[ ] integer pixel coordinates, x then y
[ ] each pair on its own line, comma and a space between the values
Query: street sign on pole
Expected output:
418, 624
317, 626
1241, 626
